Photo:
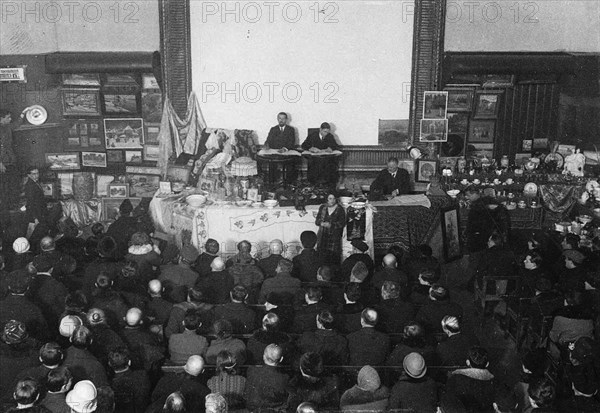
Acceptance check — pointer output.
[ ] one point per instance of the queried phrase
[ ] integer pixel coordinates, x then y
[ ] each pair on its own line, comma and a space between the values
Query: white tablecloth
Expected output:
230, 224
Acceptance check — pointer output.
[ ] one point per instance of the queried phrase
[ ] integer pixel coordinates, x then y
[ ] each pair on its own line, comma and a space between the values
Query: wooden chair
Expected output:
517, 318
495, 289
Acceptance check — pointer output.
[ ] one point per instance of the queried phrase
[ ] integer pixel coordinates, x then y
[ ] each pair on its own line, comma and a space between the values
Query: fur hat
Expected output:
368, 379
360, 245
107, 246
126, 207
14, 332
189, 253
414, 365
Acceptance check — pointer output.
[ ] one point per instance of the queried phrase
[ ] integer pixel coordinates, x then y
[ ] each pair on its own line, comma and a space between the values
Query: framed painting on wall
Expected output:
93, 159
460, 99
126, 133
110, 207
487, 104
435, 105
482, 131
63, 161
434, 130
81, 102
426, 170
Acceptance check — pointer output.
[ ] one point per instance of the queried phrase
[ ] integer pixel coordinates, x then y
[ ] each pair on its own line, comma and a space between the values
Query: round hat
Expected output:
68, 324
360, 245
82, 399
21, 245
14, 332
368, 379
414, 365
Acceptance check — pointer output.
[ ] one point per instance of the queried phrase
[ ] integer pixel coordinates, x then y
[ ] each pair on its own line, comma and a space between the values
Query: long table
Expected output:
229, 224
387, 224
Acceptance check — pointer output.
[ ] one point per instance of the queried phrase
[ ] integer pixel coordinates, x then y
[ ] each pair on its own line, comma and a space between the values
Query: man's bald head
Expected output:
369, 317
389, 260
273, 355
154, 287
217, 264
276, 247
133, 317
194, 365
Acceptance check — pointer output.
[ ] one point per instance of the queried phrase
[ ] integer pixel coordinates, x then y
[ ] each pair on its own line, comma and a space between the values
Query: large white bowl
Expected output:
196, 200
346, 199
453, 193
270, 203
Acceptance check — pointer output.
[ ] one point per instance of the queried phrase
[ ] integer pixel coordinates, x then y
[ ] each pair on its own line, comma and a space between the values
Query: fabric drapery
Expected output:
179, 136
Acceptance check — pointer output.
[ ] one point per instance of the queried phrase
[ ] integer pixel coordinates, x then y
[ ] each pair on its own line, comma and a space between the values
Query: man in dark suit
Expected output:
392, 180
281, 136
367, 345
322, 169
37, 211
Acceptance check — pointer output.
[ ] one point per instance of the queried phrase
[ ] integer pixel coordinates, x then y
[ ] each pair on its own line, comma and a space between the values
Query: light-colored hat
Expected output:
21, 245
414, 365
82, 399
68, 324
368, 379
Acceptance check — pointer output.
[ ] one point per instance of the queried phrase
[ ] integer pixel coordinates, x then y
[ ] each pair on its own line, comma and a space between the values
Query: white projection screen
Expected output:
345, 62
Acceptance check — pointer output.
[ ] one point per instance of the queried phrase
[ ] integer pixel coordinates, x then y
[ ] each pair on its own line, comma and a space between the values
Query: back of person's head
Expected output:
325, 273
27, 391
413, 331
239, 293
103, 281
478, 357
18, 281
542, 392
126, 207
535, 362
134, 317
270, 322
308, 239
572, 240
314, 294
543, 285
215, 403
154, 287
273, 354
119, 358
51, 354
428, 277
451, 324
96, 317
311, 364
175, 403
326, 319
191, 320
81, 337
397, 251
107, 246
369, 317
307, 407
223, 328
58, 378
535, 258
226, 362
194, 365
97, 229
14, 332
285, 266
389, 261
353, 291
438, 292
573, 297
195, 295
76, 300
390, 290
425, 250
217, 264
496, 239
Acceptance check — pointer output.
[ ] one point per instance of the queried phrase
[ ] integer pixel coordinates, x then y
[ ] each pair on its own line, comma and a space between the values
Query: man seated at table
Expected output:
392, 180
322, 169
281, 137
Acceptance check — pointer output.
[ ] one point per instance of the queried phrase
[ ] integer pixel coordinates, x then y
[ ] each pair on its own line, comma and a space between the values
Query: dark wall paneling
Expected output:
528, 111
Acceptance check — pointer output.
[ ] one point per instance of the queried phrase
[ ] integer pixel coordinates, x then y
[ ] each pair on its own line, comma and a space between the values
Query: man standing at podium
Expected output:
281, 137
322, 169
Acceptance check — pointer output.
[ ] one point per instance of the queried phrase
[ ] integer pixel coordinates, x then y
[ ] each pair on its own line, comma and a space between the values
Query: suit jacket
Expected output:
454, 351
387, 184
314, 140
36, 202
242, 318
84, 366
266, 387
368, 346
332, 346
278, 139
306, 265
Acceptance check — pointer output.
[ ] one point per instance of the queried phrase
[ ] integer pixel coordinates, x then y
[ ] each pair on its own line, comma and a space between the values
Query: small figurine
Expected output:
574, 163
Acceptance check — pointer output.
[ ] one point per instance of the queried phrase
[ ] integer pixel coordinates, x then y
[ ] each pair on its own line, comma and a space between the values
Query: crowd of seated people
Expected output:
136, 325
